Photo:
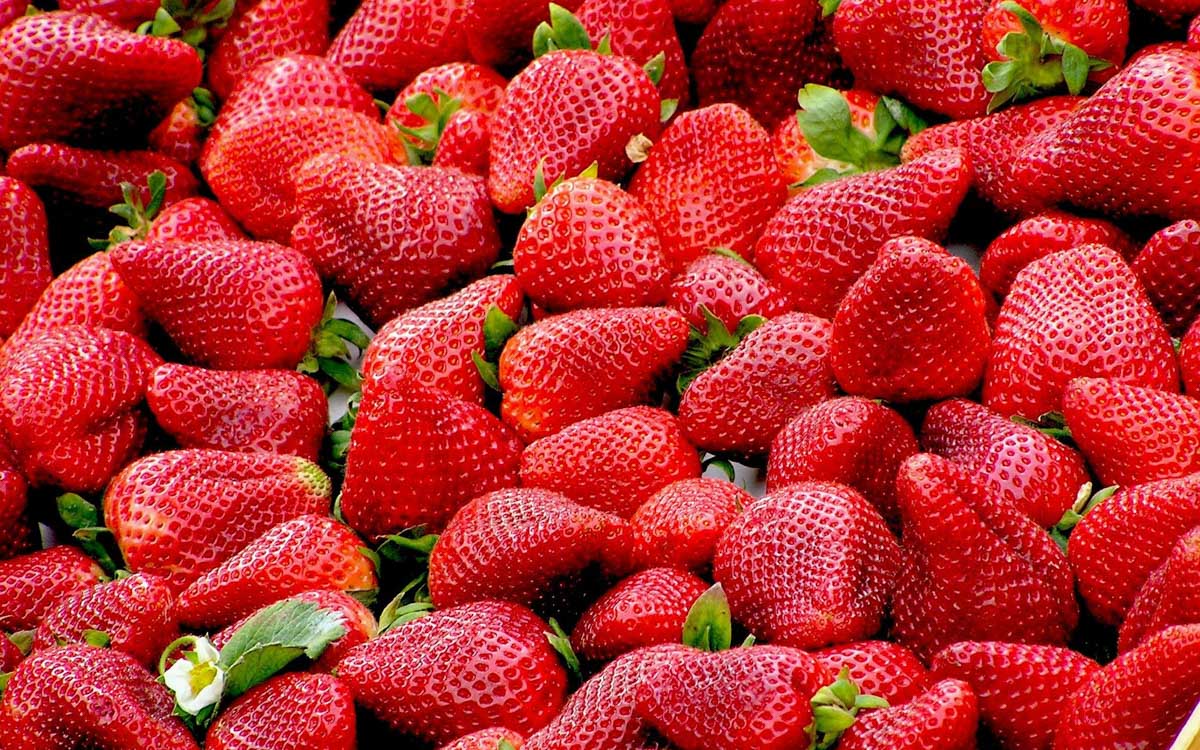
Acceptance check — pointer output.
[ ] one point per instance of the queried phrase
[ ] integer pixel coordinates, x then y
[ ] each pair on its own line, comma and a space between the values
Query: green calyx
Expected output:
498, 328
829, 7
1052, 424
405, 557
835, 708
1035, 62
709, 624
188, 22
1085, 501
422, 141
84, 519
561, 643
541, 188
564, 31
706, 348
137, 216
204, 104
336, 342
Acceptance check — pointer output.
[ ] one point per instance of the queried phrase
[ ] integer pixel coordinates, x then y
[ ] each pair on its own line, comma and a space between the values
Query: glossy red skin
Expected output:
486, 739
944, 718
827, 236
879, 668
459, 670
1167, 598
94, 177
179, 135
680, 524
477, 87
646, 609
807, 566
1172, 11
710, 181
641, 30
852, 441
194, 219
25, 249
80, 696
1075, 313
10, 655
71, 77
385, 44
263, 31
125, 13
290, 710
1021, 688
16, 527
1189, 359
1193, 37
615, 101
500, 32
729, 288
34, 583
1099, 27
1166, 266
795, 156
466, 143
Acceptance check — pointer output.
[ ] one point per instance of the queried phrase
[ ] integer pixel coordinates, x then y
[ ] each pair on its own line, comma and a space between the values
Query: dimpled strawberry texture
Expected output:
70, 404
94, 177
731, 289
180, 513
34, 583
477, 87
194, 219
809, 565
641, 30
1099, 27
16, 525
386, 43
1167, 269
710, 181
465, 143
1189, 359
1168, 596
80, 696
264, 31
879, 668
79, 78
646, 609
680, 524
291, 710
180, 134
499, 32
504, 673
944, 718
486, 739
796, 157
26, 252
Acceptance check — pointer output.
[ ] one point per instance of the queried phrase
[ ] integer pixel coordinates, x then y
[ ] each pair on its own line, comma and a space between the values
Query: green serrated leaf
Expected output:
76, 512
341, 372
709, 624
1075, 68
655, 67
272, 639
564, 31
825, 121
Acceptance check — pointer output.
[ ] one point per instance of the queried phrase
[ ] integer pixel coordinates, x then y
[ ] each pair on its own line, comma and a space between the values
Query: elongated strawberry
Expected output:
291, 710
385, 44
1164, 266
945, 717
487, 739
25, 271
1166, 598
35, 583
646, 609
641, 30
680, 524
93, 178
728, 286
458, 670
879, 668
263, 31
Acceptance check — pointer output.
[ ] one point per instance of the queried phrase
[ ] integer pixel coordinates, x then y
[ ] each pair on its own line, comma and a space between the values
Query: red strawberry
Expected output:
974, 567
851, 440
1038, 475
136, 613
228, 304
945, 717
128, 14
613, 462
10, 10
1040, 342
796, 156
33, 584
1165, 268
445, 114
808, 565
25, 270
1189, 359
193, 219
1168, 596
584, 363
477, 87
180, 135
823, 239
71, 404
1021, 688
1141, 700
180, 513
386, 43
641, 30
17, 530
268, 411
680, 524
710, 181
1193, 37
645, 609
10, 655
498, 31
912, 328
459, 670
487, 739
465, 143
739, 404
1041, 235
291, 710
879, 668
93, 178
588, 243
79, 78
80, 696
262, 31
728, 286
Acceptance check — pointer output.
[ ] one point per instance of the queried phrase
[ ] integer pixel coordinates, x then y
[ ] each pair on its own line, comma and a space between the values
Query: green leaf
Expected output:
539, 181
604, 47
99, 544
498, 328
97, 638
824, 119
905, 116
709, 625
722, 464
822, 175
205, 106
1085, 501
157, 182
561, 643
654, 68
272, 639
23, 640
76, 512
398, 612
564, 31
489, 372
835, 708
341, 372
727, 253
667, 109
707, 347
4, 678
829, 7
401, 548
505, 745
1075, 68
347, 330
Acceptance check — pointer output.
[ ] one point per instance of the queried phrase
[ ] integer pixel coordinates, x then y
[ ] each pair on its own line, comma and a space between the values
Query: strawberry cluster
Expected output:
701, 375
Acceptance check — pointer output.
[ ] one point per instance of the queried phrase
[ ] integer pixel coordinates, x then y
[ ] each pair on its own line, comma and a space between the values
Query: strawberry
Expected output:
476, 87
645, 609
974, 567
193, 219
25, 270
487, 739
81, 696
180, 135
136, 613
613, 462
912, 328
445, 115
728, 286
1021, 688
1141, 700
127, 14
498, 31
465, 143
306, 552
1036, 474
680, 524
1041, 235
385, 44
71, 404
93, 178
739, 404
394, 237
584, 363
17, 530
268, 411
458, 670
1164, 266
1193, 37
823, 239
181, 513
879, 668
641, 30
852, 441
226, 304
808, 565
34, 583
79, 78
945, 717
291, 710
1038, 345
10, 655
1167, 598
719, 145
262, 31
588, 243
1189, 359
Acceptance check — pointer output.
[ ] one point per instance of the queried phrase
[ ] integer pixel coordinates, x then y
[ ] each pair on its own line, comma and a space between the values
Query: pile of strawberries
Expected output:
651, 411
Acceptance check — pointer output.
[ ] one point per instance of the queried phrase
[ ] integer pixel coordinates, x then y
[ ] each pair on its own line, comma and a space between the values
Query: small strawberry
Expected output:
25, 269
945, 717
17, 530
487, 739
646, 609
641, 30
193, 219
1164, 266
476, 87
498, 31
290, 710
445, 115
680, 524
728, 286
33, 584
879, 668
181, 133
262, 31
1168, 596
386, 43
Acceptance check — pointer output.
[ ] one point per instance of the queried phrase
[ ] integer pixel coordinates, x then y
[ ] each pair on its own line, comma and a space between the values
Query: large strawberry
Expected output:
33, 584
680, 524
25, 270
641, 30
1166, 267
728, 286
386, 43
1168, 596
945, 717
646, 609
262, 31
291, 710
879, 668
128, 14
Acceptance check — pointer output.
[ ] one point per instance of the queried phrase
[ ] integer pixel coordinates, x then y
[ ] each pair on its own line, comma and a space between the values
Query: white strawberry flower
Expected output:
197, 679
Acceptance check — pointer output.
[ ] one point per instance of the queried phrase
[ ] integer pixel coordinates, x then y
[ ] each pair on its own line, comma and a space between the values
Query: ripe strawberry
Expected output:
1038, 345
852, 441
17, 530
25, 270
879, 668
179, 514
180, 135
476, 87
641, 30
613, 462
81, 79
645, 609
10, 655
945, 717
193, 219
680, 524
93, 178
458, 670
34, 583
1168, 596
290, 710
1164, 266
487, 739
263, 31
445, 115
465, 143
720, 145
584, 363
81, 696
728, 286
808, 565
230, 304
1021, 688
822, 240
267, 411
1036, 474
70, 404
128, 14
385, 44
498, 31
588, 243
974, 567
